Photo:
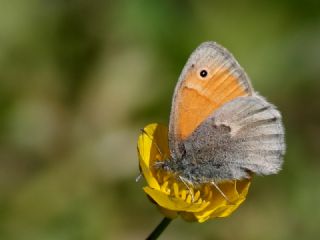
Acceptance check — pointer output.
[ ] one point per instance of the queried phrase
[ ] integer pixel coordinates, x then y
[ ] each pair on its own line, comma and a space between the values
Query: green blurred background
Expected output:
78, 79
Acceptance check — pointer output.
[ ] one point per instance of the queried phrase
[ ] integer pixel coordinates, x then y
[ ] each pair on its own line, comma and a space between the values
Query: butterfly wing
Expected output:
244, 135
198, 94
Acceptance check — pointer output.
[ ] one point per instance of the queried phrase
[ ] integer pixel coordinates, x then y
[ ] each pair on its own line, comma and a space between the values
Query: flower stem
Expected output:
159, 229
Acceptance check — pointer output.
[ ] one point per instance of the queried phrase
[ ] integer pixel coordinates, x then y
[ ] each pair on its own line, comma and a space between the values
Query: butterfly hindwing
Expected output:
244, 135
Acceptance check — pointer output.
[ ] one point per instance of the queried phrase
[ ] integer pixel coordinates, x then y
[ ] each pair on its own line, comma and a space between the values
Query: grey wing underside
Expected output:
244, 135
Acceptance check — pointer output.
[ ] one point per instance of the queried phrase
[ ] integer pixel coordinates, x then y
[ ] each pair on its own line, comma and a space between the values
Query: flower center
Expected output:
180, 190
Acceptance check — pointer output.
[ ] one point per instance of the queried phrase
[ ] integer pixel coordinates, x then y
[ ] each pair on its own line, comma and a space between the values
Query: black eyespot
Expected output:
203, 73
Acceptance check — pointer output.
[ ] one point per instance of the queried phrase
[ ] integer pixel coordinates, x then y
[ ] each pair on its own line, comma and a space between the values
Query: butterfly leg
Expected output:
187, 183
144, 132
221, 192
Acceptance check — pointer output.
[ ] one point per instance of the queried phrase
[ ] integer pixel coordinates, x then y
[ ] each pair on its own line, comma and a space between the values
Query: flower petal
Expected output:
153, 137
173, 203
236, 191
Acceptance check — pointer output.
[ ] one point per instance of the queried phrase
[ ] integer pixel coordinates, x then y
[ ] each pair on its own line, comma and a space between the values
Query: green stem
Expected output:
159, 229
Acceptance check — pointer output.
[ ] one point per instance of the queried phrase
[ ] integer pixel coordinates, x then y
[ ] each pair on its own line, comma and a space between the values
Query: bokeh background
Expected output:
78, 79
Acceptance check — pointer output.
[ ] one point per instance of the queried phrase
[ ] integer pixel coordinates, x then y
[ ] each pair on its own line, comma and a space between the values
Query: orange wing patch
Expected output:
199, 98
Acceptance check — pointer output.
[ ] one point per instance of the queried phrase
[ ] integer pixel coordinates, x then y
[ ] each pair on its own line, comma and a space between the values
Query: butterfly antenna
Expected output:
144, 132
221, 192
186, 182
138, 177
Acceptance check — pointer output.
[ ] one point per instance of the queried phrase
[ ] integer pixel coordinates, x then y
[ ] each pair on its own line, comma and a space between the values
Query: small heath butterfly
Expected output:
220, 128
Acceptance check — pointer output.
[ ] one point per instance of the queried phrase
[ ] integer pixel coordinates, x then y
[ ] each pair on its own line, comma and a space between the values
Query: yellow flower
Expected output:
171, 195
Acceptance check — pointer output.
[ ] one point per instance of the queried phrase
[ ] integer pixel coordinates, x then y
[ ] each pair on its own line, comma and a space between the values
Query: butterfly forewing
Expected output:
196, 97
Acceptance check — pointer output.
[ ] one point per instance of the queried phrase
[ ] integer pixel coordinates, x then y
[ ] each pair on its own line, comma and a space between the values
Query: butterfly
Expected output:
220, 128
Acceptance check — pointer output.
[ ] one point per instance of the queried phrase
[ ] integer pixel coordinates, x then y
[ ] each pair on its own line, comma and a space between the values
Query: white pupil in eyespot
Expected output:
203, 73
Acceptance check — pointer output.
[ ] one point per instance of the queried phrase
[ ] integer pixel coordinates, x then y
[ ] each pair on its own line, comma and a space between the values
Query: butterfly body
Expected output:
220, 128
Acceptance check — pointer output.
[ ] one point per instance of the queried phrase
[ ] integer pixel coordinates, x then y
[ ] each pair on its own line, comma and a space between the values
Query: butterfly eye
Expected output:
203, 73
